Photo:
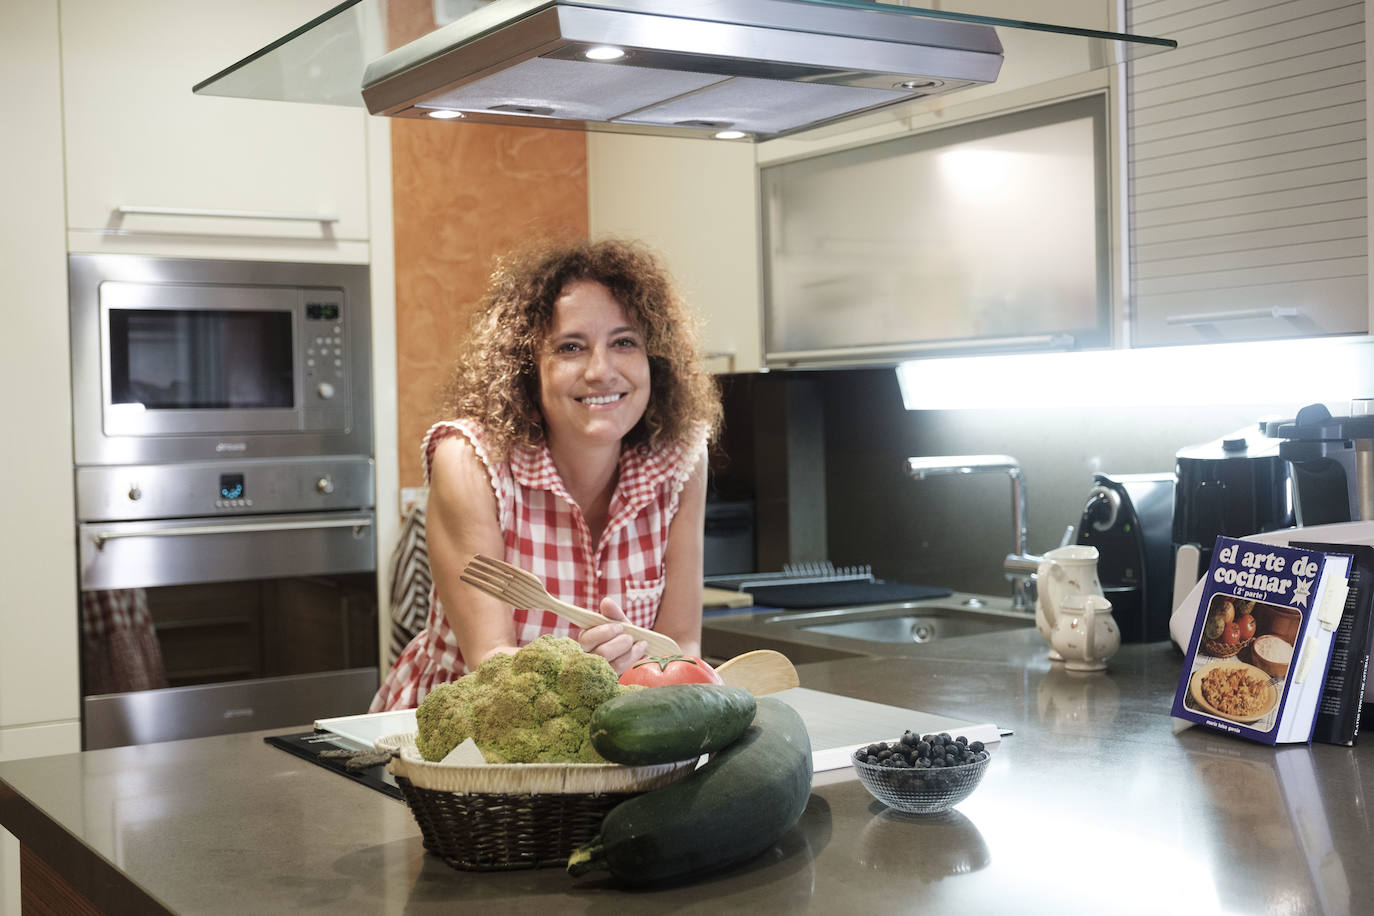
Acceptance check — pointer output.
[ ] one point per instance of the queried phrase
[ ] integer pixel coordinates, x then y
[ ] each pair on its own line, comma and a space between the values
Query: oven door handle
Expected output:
357, 523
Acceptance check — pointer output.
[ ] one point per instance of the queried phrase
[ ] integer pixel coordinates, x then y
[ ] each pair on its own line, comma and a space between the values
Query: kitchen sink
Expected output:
893, 629
929, 624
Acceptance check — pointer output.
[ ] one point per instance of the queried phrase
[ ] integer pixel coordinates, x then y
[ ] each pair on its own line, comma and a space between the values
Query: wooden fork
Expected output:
522, 589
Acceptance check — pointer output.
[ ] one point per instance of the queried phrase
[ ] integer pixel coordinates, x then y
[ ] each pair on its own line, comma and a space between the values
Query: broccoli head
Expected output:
529, 707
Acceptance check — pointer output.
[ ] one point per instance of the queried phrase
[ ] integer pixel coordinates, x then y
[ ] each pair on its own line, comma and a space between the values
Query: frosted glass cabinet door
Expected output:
990, 235
136, 136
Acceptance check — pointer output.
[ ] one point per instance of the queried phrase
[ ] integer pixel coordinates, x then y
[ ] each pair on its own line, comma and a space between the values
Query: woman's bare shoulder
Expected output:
456, 461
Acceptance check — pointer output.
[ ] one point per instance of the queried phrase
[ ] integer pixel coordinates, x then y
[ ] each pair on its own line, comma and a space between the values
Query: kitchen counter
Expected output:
1094, 805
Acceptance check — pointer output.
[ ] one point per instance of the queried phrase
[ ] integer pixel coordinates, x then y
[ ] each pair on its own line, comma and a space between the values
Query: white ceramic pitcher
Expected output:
1084, 632
1064, 571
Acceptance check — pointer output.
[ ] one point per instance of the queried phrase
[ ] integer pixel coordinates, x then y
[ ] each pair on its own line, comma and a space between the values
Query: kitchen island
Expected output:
1093, 805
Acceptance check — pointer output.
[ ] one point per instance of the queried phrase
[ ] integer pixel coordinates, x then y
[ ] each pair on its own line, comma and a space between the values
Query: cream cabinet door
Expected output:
138, 139
1249, 173
696, 203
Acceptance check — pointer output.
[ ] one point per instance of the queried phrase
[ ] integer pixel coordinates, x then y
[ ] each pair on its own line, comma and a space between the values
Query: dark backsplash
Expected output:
821, 453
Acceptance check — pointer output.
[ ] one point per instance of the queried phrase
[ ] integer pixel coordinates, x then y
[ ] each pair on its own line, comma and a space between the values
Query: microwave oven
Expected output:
182, 359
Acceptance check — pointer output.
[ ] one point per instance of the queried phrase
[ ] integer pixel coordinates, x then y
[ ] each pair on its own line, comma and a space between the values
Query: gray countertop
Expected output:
1093, 805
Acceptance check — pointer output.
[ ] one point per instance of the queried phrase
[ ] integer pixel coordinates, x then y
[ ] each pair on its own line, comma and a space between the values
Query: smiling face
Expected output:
593, 369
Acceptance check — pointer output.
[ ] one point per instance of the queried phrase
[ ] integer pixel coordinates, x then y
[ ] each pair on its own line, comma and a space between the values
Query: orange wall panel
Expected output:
462, 194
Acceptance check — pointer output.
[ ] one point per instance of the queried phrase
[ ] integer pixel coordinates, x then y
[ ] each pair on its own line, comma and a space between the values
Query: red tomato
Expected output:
1231, 635
656, 671
1247, 627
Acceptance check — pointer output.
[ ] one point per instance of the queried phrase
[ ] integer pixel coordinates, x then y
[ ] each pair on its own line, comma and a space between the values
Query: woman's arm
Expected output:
679, 613
461, 520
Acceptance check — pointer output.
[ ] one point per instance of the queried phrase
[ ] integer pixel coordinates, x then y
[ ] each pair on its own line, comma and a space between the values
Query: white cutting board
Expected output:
837, 725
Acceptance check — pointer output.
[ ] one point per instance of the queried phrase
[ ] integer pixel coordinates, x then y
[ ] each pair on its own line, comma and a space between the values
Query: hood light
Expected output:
603, 52
445, 114
918, 84
730, 135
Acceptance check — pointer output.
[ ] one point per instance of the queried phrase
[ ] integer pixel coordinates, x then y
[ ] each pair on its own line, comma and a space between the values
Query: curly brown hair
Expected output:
496, 379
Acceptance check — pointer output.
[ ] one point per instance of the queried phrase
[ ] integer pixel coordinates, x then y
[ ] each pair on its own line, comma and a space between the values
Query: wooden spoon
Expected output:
761, 672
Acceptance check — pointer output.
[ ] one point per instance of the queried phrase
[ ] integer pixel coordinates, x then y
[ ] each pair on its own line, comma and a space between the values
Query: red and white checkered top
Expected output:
545, 533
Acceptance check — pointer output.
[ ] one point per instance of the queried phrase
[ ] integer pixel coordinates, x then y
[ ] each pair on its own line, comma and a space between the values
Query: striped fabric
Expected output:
410, 581
546, 534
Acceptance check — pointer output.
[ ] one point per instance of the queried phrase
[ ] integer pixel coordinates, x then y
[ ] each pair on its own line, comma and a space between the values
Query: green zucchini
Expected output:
668, 723
730, 810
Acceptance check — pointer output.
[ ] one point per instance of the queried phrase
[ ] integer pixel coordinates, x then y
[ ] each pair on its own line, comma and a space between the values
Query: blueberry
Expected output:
975, 746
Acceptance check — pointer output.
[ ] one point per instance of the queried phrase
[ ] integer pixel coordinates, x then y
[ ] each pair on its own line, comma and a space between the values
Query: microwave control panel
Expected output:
324, 359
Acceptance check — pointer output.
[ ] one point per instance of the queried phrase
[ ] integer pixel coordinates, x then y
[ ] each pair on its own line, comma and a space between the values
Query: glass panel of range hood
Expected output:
827, 60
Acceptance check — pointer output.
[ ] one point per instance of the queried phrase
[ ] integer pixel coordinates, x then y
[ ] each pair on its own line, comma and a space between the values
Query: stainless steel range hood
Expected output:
762, 68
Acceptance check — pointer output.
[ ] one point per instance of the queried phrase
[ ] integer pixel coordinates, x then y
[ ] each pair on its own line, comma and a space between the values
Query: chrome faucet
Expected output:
1018, 565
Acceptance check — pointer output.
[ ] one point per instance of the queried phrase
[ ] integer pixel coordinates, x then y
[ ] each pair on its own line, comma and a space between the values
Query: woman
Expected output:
579, 454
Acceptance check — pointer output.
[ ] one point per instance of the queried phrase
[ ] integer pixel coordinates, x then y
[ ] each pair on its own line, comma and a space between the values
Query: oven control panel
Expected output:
240, 488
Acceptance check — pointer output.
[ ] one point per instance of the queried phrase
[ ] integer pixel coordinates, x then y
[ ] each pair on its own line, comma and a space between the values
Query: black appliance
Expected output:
1235, 486
1324, 455
728, 541
1129, 518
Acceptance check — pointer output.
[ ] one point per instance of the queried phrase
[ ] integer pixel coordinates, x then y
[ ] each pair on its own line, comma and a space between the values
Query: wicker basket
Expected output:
498, 817
1218, 649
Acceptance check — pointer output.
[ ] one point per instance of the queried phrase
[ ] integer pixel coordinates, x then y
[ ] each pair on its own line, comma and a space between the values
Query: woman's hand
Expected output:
611, 642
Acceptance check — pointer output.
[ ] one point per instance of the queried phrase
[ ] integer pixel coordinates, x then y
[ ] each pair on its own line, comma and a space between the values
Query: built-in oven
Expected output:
225, 494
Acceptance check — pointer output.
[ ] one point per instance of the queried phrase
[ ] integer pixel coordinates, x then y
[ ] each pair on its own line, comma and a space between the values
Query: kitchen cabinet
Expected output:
1248, 160
993, 234
1245, 216
137, 137
696, 203
38, 677
39, 693
699, 203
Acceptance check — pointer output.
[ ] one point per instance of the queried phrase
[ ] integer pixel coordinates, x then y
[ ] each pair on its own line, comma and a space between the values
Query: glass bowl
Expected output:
920, 791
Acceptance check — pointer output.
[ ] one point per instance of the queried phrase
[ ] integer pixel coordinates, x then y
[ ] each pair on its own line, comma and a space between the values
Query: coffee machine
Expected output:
1235, 486
1128, 518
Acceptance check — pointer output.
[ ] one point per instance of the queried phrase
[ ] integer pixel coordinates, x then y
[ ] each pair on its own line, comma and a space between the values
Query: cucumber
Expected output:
734, 808
673, 722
